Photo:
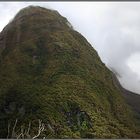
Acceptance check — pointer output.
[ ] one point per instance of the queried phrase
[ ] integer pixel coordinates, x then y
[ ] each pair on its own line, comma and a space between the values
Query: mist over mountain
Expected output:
112, 28
53, 84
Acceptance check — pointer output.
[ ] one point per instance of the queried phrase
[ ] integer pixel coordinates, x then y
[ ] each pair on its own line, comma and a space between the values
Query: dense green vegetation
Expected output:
48, 71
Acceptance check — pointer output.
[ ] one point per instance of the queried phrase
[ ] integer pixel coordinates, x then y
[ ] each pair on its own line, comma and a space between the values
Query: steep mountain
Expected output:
54, 85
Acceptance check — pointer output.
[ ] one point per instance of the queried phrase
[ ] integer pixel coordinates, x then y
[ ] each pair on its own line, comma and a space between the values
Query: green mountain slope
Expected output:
50, 73
131, 98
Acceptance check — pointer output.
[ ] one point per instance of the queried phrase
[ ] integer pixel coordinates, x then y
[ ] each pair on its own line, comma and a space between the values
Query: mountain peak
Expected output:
34, 17
33, 21
50, 75
34, 10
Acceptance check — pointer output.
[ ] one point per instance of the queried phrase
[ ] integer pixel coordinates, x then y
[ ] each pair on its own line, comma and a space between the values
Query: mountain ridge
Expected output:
51, 74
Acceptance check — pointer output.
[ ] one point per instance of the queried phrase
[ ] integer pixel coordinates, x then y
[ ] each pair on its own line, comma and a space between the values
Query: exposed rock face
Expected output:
51, 75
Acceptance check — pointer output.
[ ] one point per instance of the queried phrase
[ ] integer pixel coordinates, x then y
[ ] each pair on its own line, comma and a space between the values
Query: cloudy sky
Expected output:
113, 29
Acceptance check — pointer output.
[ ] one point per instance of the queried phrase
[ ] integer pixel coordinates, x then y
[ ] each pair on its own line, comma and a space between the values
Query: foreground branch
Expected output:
23, 132
40, 129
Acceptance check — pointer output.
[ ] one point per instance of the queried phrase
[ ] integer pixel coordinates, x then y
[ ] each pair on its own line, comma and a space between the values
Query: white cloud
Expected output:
134, 63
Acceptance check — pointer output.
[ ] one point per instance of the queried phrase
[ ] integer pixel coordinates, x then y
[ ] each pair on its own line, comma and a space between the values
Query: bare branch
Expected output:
13, 132
40, 129
8, 129
23, 133
19, 135
29, 128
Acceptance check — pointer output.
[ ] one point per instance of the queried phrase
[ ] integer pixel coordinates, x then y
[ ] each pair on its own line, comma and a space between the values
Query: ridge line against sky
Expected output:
113, 29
